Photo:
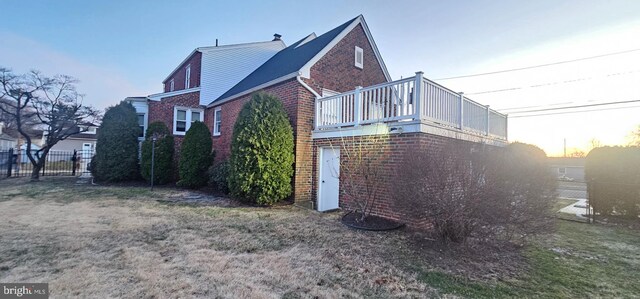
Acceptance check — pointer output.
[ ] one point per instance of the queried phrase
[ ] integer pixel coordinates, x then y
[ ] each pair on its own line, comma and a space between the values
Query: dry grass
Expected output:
90, 241
119, 241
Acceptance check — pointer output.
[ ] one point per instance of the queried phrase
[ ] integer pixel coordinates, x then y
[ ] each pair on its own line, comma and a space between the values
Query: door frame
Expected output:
320, 167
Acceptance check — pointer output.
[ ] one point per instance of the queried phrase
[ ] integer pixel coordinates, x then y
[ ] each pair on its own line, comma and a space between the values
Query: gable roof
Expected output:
297, 60
286, 62
218, 48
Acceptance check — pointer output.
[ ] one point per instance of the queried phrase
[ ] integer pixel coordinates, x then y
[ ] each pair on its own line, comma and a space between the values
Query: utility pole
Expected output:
565, 147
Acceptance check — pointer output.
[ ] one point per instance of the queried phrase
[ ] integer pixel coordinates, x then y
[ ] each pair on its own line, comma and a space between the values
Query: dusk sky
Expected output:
126, 48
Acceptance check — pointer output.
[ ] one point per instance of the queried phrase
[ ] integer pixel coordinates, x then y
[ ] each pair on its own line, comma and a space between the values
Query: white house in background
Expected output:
6, 141
83, 142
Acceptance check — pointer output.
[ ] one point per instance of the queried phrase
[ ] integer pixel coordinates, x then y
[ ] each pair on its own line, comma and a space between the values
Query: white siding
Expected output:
142, 107
223, 68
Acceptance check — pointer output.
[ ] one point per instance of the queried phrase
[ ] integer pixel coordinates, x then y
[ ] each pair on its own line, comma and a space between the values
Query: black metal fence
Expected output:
16, 163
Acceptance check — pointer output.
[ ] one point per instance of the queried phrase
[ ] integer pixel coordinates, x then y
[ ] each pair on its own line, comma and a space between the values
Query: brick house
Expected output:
332, 85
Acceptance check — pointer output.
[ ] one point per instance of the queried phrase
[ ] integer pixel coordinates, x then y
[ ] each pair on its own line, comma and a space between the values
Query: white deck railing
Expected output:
400, 100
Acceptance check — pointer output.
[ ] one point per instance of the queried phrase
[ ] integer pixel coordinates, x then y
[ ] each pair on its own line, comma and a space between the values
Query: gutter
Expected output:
307, 87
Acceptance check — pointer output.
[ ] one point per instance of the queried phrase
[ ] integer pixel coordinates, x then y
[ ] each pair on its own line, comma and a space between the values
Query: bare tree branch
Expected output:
49, 102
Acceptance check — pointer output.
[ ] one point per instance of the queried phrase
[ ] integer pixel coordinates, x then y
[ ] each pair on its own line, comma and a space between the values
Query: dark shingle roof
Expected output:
289, 60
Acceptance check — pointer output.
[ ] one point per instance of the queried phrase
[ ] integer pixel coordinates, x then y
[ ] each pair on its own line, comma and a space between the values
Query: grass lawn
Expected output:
96, 241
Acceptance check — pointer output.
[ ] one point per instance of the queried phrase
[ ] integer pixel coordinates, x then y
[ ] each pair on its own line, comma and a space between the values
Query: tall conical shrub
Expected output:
163, 156
195, 156
117, 145
261, 163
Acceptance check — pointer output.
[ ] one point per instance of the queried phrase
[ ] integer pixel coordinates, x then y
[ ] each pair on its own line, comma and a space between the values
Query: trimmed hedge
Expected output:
261, 164
163, 164
195, 156
613, 181
117, 145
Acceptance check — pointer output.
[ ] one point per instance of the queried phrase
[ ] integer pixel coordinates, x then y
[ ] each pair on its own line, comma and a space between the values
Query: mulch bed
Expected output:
371, 222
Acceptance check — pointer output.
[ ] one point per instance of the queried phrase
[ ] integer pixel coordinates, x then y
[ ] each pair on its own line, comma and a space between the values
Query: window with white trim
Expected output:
359, 57
141, 125
172, 85
187, 77
217, 121
184, 117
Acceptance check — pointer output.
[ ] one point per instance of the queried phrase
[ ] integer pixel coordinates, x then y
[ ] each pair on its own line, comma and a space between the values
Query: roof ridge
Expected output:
287, 61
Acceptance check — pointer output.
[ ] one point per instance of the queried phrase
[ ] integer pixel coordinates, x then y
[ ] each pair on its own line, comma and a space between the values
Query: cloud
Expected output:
102, 85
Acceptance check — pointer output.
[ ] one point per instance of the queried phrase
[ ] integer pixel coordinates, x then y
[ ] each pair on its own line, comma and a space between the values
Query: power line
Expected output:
553, 83
537, 106
571, 112
576, 106
540, 65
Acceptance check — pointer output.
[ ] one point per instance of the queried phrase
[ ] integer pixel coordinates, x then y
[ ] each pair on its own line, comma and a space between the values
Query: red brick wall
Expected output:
179, 75
298, 103
163, 111
337, 70
394, 151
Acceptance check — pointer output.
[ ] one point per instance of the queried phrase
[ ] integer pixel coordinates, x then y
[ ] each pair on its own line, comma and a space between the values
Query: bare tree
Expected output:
362, 164
52, 101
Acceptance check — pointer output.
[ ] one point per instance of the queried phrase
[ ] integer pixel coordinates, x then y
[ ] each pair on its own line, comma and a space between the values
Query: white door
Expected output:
329, 185
86, 151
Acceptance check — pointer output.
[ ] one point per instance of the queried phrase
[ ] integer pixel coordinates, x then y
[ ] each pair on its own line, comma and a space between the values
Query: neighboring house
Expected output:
80, 141
6, 141
568, 168
332, 85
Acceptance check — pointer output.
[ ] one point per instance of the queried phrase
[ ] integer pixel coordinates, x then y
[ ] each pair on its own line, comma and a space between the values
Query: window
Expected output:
217, 121
562, 170
187, 77
141, 125
184, 117
172, 85
88, 130
359, 57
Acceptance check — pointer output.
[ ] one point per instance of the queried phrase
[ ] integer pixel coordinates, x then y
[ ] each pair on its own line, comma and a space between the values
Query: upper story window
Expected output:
359, 57
88, 130
217, 121
172, 85
141, 125
184, 117
187, 77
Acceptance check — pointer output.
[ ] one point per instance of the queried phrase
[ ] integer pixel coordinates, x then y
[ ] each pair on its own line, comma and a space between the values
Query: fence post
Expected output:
10, 162
488, 117
44, 164
357, 96
418, 95
74, 160
461, 120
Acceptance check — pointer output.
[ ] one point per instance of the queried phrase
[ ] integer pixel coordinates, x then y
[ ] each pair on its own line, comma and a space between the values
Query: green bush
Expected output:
163, 164
117, 145
195, 156
218, 176
262, 151
613, 180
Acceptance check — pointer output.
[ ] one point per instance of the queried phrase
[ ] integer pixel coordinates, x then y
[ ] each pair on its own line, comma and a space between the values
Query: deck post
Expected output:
461, 120
357, 103
317, 121
418, 96
488, 117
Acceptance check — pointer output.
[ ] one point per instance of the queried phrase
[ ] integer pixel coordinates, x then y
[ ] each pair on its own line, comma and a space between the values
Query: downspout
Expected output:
317, 95
308, 87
